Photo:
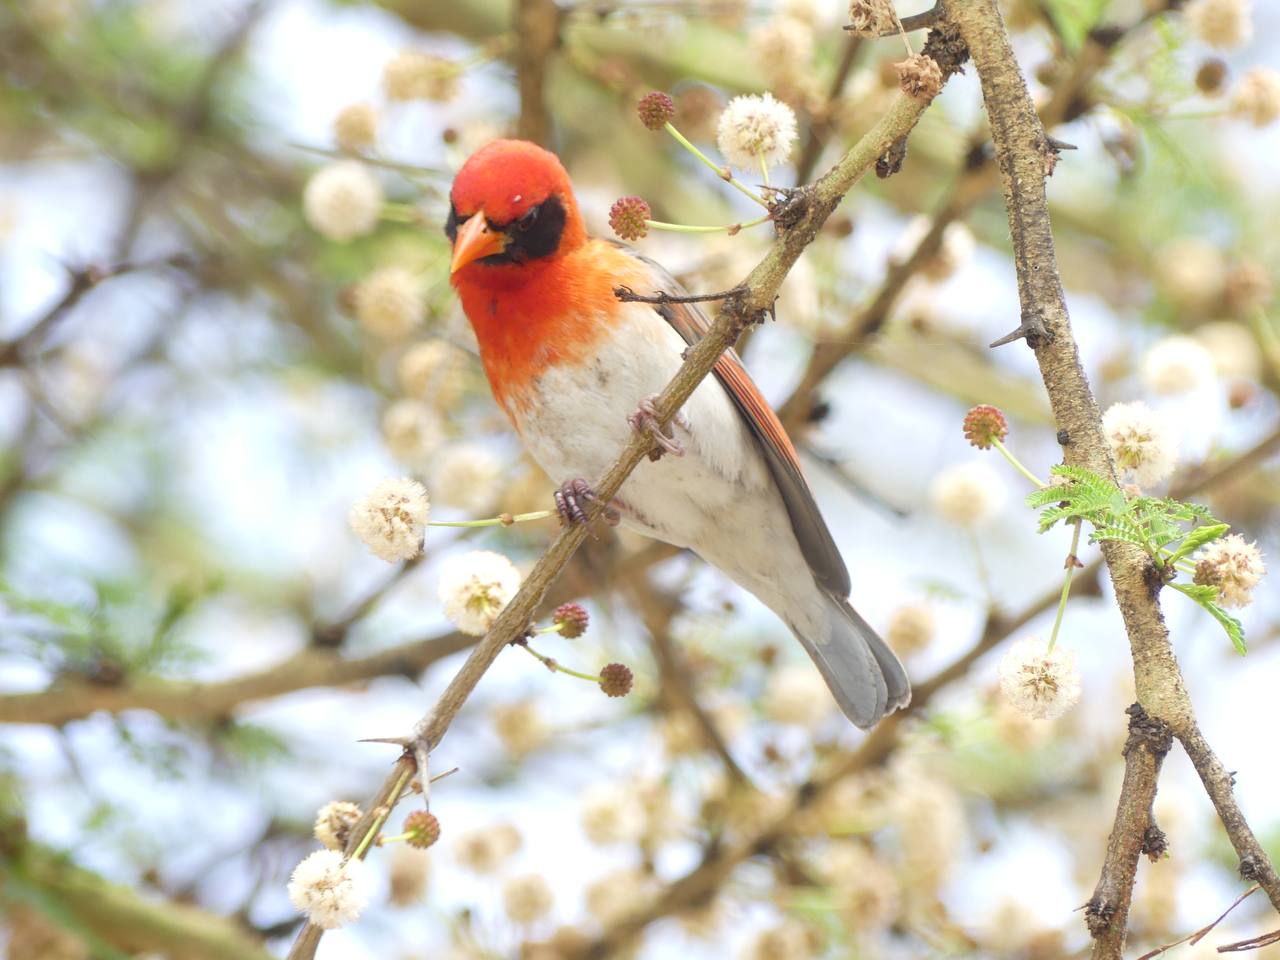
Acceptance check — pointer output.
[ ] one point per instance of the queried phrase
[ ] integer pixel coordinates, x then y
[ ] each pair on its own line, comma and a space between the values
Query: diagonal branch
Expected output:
813, 205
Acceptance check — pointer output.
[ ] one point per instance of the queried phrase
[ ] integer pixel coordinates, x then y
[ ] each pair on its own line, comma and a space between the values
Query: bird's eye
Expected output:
528, 219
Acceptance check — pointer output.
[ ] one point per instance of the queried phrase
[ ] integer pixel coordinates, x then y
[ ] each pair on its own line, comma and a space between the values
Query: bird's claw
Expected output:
572, 498
645, 420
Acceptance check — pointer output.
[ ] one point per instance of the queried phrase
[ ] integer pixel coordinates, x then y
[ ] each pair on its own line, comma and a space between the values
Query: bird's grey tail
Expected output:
864, 675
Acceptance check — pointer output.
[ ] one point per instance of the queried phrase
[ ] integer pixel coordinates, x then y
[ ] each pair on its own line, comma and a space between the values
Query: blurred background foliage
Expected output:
195, 385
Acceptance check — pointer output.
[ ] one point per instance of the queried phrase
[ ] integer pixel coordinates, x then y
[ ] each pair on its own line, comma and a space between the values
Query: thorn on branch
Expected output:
1032, 328
627, 295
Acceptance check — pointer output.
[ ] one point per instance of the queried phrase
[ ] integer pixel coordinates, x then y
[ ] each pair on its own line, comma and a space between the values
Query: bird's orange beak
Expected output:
475, 241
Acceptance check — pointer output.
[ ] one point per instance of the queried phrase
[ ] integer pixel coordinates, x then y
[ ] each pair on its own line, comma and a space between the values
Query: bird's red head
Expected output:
512, 206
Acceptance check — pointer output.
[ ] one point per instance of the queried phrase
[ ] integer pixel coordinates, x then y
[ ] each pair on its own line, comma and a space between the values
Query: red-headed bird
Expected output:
575, 369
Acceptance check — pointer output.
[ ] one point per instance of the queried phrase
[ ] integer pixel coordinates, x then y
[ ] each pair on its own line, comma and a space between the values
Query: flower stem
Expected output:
690, 228
721, 172
400, 213
1017, 464
382, 815
556, 667
502, 520
1066, 585
764, 167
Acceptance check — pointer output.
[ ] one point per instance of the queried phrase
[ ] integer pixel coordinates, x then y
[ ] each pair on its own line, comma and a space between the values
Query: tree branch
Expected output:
537, 24
1026, 158
1135, 833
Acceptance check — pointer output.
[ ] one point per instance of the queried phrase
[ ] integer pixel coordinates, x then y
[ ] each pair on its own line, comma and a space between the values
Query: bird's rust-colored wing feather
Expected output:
811, 531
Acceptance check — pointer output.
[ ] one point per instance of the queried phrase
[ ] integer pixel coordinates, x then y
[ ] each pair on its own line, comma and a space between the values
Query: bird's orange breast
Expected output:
549, 314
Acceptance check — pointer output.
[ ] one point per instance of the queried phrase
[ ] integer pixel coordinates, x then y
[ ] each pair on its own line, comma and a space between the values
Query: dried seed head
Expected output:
1256, 97
919, 76
656, 110
627, 216
572, 619
985, 424
334, 822
870, 18
356, 127
423, 827
616, 680
1232, 565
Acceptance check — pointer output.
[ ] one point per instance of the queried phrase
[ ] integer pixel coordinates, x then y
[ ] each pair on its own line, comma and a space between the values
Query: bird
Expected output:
576, 368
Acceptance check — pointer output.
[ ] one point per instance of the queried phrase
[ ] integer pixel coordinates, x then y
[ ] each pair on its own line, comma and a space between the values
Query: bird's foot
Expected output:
645, 420
572, 499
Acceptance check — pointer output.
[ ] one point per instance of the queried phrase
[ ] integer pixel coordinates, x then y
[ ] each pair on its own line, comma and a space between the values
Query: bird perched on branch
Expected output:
575, 369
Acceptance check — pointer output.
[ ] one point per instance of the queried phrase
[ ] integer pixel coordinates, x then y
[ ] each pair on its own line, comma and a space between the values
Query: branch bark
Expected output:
1026, 157
537, 31
1135, 833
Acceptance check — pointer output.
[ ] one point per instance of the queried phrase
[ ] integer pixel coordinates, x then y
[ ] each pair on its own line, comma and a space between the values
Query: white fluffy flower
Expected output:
1142, 441
486, 849
334, 822
1190, 272
466, 476
1234, 566
412, 430
527, 898
796, 694
1177, 364
342, 200
432, 371
521, 727
1041, 683
391, 518
331, 893
783, 47
1257, 96
910, 628
389, 303
618, 894
612, 813
1233, 349
356, 127
789, 941
866, 892
407, 875
968, 494
416, 75
475, 587
1221, 23
756, 126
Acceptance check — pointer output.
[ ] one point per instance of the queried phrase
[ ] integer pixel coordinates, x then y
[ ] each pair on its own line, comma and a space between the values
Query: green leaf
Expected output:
1075, 18
1197, 538
1207, 596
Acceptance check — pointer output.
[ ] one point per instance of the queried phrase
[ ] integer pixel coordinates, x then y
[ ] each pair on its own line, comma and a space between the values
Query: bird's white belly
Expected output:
718, 498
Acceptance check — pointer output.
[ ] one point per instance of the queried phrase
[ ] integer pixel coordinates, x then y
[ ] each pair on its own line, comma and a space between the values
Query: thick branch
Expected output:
184, 700
120, 917
1135, 833
537, 30
1026, 157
